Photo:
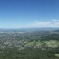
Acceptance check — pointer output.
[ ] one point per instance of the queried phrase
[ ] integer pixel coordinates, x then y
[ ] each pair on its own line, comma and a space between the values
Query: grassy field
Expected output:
57, 55
50, 43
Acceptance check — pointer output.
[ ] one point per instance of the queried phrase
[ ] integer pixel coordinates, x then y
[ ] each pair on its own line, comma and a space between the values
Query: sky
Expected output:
29, 13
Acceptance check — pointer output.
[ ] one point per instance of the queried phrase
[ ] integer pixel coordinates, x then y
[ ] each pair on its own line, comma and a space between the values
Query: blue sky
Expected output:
29, 13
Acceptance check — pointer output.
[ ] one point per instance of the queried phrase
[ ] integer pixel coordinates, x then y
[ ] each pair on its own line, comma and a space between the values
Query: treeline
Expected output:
28, 53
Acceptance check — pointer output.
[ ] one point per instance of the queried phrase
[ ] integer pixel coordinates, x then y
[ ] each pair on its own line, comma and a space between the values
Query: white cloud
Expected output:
38, 24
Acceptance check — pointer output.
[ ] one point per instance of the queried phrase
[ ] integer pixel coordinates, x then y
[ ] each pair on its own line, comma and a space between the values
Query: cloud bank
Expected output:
39, 24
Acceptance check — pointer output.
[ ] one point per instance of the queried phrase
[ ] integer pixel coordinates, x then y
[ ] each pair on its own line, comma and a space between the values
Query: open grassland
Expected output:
49, 43
57, 55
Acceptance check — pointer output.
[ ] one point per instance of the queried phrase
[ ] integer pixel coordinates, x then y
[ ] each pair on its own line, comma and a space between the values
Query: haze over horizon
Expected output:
29, 13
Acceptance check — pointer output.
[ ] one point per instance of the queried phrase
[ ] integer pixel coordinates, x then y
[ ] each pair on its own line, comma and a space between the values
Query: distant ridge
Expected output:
31, 29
